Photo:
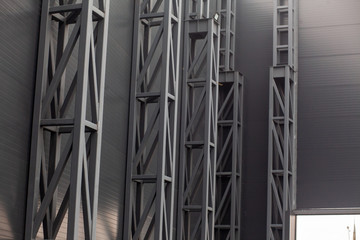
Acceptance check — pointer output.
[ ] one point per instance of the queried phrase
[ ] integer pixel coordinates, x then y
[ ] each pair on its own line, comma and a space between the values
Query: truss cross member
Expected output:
229, 147
149, 204
227, 34
282, 122
229, 157
67, 127
198, 130
281, 151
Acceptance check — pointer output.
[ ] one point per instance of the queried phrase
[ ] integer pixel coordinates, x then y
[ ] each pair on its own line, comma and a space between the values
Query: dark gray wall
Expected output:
329, 112
253, 59
18, 50
113, 161
328, 106
18, 38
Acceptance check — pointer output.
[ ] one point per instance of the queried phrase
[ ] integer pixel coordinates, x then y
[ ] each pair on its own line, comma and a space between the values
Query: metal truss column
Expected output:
196, 203
229, 147
67, 119
227, 34
149, 204
282, 122
229, 160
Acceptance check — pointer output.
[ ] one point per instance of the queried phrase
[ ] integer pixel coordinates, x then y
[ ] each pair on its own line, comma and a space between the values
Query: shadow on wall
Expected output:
17, 70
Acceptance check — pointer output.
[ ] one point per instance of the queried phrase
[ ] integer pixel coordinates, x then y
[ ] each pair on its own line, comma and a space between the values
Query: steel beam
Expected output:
229, 157
196, 202
282, 122
67, 119
149, 203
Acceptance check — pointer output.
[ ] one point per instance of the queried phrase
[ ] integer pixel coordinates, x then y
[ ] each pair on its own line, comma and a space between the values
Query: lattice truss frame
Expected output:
282, 122
149, 205
198, 130
67, 119
196, 9
284, 44
229, 157
227, 34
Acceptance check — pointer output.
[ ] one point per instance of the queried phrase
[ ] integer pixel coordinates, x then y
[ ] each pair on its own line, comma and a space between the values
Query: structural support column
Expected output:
229, 160
67, 122
229, 147
149, 204
282, 122
227, 34
196, 203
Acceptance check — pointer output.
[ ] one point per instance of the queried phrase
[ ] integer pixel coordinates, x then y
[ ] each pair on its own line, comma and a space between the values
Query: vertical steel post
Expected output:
149, 203
282, 121
67, 122
227, 34
196, 202
229, 157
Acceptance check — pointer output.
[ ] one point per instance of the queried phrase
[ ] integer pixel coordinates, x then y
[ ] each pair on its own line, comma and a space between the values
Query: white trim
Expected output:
327, 211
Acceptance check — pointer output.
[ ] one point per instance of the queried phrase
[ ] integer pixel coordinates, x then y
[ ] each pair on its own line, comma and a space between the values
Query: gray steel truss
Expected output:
229, 160
229, 147
227, 34
196, 9
282, 122
196, 201
67, 119
149, 204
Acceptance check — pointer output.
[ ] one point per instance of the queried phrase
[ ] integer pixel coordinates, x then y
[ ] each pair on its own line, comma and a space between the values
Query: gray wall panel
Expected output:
18, 38
329, 97
329, 112
114, 146
253, 59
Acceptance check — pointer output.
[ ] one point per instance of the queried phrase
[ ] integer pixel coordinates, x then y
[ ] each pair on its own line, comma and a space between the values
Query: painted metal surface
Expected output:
17, 70
281, 199
230, 127
227, 34
196, 201
67, 120
329, 113
282, 158
328, 109
151, 158
229, 161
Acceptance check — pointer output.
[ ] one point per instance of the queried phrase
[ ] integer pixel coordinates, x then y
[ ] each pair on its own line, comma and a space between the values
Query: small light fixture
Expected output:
216, 17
